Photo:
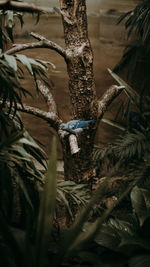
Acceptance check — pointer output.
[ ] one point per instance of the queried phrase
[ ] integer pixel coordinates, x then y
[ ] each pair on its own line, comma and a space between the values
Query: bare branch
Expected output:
43, 43
23, 7
50, 44
54, 122
48, 97
107, 99
20, 47
49, 117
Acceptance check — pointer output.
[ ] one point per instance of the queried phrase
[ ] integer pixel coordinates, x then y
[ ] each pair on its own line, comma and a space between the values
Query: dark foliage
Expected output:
37, 242
130, 238
136, 58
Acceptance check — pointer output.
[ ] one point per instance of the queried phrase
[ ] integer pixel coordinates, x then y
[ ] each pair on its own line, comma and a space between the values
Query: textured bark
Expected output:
77, 150
43, 43
79, 59
77, 167
81, 87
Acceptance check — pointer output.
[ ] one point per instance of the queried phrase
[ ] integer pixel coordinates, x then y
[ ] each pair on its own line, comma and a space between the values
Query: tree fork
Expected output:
77, 150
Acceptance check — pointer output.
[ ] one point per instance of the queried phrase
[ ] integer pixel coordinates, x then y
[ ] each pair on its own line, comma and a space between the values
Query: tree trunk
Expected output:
79, 167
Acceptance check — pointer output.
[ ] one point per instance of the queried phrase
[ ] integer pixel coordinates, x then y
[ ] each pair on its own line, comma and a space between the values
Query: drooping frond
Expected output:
138, 20
128, 147
11, 75
137, 53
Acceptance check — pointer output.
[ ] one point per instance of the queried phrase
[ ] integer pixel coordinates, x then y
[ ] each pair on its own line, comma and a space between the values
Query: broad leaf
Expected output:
140, 261
139, 204
26, 62
11, 62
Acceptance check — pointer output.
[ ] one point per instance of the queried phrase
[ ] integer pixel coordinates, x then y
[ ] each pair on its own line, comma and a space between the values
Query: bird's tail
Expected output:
91, 121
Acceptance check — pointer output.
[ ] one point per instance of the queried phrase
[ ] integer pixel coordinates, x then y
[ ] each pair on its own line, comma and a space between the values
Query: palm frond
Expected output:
10, 89
72, 194
7, 23
128, 148
137, 52
138, 20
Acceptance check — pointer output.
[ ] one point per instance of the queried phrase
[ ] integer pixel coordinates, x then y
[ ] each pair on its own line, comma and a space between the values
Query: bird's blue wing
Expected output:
76, 124
83, 124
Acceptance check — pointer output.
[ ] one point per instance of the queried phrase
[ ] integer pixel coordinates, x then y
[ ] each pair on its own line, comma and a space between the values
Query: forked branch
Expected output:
43, 43
50, 44
52, 115
49, 117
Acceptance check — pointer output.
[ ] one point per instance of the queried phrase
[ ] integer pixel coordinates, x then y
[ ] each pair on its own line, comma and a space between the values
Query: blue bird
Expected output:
75, 126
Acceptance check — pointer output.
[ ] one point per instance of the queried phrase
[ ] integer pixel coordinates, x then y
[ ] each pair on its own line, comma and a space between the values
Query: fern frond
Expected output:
131, 146
127, 150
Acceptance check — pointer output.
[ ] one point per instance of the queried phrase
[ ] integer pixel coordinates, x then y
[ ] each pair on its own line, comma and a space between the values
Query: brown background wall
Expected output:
93, 5
108, 43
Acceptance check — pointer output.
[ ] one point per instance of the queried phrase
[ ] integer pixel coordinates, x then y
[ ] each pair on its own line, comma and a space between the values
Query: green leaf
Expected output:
65, 201
75, 238
26, 62
76, 228
20, 17
10, 240
93, 229
47, 210
12, 139
11, 62
114, 124
78, 193
66, 183
35, 145
21, 151
139, 204
131, 243
36, 64
9, 24
128, 89
140, 261
29, 143
9, 21
107, 238
24, 190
